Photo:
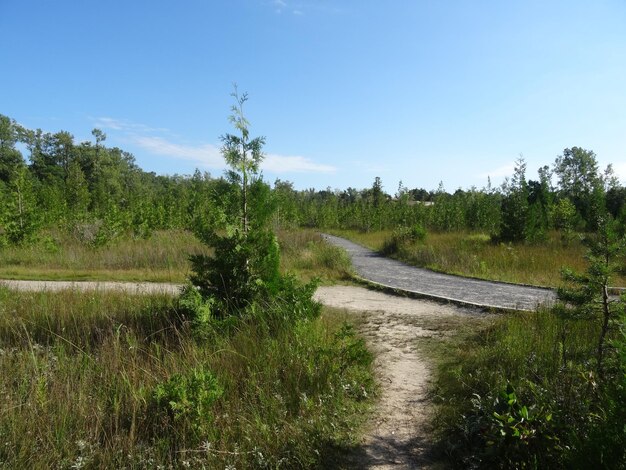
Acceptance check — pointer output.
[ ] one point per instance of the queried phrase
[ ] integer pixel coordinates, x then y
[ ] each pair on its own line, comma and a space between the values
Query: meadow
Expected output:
161, 257
108, 380
147, 389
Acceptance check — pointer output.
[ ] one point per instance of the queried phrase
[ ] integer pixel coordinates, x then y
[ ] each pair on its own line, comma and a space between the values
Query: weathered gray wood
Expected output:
396, 275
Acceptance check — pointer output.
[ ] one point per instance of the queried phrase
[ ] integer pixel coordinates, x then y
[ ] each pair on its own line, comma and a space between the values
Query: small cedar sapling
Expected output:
243, 271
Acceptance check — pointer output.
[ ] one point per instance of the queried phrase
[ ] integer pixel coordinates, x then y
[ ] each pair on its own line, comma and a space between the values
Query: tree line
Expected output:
98, 193
94, 192
572, 195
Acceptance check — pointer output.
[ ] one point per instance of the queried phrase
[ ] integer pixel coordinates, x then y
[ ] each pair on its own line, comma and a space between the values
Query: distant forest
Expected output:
98, 193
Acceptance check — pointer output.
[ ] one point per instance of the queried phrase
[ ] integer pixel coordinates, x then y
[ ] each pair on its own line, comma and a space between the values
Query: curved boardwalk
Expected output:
390, 273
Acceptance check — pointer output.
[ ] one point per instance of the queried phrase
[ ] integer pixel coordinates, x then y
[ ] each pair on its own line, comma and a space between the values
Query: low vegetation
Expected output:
545, 389
107, 380
522, 393
161, 257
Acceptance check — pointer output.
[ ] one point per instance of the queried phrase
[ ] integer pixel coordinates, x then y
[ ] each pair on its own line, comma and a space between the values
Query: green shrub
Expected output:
184, 404
401, 237
524, 393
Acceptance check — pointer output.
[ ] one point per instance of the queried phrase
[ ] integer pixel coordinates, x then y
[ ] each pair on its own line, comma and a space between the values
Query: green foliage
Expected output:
242, 276
110, 380
516, 435
521, 394
200, 311
565, 219
587, 296
78, 184
243, 268
544, 390
10, 158
513, 226
187, 401
401, 237
581, 183
21, 219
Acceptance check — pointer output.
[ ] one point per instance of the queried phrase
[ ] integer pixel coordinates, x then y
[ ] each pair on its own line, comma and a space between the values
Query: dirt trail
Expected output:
398, 437
130, 287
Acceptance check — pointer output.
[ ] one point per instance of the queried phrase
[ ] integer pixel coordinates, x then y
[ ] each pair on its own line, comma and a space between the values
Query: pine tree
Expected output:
589, 295
513, 224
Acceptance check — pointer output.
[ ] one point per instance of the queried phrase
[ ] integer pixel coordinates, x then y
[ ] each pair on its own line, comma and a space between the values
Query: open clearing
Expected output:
398, 434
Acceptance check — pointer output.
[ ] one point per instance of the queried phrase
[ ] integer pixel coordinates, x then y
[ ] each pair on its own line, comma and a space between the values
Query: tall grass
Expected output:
163, 257
522, 393
305, 253
79, 375
475, 255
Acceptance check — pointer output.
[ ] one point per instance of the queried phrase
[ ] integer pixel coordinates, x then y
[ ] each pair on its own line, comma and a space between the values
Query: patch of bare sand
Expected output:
129, 287
398, 437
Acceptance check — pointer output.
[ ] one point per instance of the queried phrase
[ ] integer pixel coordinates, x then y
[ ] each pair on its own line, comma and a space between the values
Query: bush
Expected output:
524, 394
401, 237
242, 270
184, 404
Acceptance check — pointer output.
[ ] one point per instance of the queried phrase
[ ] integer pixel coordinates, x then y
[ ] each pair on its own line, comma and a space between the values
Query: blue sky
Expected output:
343, 91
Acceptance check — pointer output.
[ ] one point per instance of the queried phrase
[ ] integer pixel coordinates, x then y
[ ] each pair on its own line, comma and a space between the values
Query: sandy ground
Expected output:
130, 287
398, 436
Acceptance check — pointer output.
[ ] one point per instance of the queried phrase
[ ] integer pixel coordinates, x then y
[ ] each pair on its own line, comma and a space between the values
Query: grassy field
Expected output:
474, 255
107, 380
161, 258
164, 257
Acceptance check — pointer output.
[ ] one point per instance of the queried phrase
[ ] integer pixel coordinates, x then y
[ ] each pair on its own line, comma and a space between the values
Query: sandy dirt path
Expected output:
398, 436
130, 287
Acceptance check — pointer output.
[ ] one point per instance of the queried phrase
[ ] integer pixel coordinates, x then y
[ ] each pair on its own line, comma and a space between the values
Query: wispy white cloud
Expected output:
124, 125
279, 5
153, 141
108, 123
294, 164
301, 7
206, 155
